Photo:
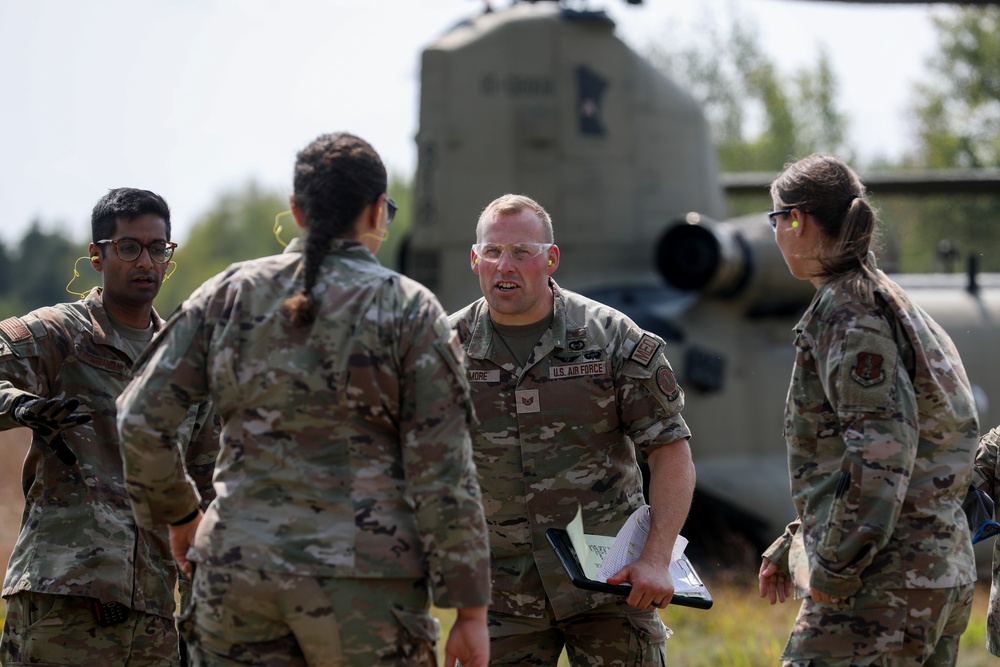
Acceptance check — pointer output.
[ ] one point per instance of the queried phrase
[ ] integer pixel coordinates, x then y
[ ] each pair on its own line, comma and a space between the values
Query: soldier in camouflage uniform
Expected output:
348, 496
80, 561
986, 476
568, 393
881, 428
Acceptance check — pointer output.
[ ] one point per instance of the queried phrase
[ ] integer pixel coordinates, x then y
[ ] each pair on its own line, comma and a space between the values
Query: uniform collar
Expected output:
104, 332
348, 247
483, 331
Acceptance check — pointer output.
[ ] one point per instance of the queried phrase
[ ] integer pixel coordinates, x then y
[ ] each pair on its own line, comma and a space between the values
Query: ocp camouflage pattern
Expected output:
345, 445
986, 476
881, 427
563, 432
78, 535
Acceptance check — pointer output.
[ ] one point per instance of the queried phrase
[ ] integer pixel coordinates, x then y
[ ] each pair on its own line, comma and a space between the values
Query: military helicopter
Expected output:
547, 101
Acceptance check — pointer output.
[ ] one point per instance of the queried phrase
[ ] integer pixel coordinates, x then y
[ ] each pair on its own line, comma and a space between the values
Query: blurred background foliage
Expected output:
760, 118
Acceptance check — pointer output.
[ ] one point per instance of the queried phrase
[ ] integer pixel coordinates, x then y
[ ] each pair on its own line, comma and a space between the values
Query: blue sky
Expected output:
192, 98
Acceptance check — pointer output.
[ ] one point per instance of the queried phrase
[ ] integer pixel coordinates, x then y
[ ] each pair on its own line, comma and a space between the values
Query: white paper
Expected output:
628, 544
603, 556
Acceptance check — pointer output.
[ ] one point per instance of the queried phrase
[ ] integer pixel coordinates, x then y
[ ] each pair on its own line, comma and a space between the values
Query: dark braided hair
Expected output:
336, 177
832, 193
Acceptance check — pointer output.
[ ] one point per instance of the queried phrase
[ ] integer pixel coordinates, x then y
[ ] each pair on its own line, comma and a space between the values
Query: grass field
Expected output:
741, 630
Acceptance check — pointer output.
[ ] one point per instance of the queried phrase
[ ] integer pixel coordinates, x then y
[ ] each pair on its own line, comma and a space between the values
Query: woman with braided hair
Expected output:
348, 500
881, 427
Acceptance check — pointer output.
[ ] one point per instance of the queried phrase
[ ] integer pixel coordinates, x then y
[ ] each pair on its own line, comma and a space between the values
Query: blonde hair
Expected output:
512, 205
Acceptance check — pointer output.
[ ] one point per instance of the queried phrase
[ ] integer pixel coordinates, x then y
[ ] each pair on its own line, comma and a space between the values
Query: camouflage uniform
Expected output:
78, 536
345, 450
564, 431
881, 426
986, 476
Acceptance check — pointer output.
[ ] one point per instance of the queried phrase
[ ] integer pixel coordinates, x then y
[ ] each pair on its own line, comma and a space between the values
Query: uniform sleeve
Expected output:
29, 358
202, 450
777, 553
151, 411
876, 407
437, 460
651, 400
985, 473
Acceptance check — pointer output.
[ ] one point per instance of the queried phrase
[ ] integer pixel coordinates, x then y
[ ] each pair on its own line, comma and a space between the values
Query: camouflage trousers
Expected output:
612, 635
249, 617
892, 628
61, 630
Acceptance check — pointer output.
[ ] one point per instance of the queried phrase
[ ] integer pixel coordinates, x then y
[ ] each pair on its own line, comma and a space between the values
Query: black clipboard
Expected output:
559, 539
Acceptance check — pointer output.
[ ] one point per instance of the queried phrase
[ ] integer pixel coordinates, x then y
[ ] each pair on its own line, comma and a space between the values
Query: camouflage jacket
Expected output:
345, 444
881, 427
562, 432
78, 535
986, 476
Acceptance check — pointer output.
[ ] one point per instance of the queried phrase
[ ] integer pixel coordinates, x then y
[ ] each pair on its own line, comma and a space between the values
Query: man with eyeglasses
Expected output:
86, 585
568, 393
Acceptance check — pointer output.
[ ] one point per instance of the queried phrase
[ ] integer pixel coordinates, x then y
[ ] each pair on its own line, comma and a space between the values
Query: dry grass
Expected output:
13, 446
741, 630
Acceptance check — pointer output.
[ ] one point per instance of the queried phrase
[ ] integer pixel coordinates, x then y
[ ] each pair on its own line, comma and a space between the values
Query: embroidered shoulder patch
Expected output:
867, 374
867, 370
667, 383
15, 329
645, 349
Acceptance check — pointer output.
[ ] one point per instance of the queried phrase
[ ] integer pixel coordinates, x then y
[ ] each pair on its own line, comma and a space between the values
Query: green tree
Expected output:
759, 117
958, 108
957, 117
401, 190
241, 225
44, 265
6, 277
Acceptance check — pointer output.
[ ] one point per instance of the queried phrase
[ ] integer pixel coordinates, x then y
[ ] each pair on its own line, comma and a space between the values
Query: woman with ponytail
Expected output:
881, 428
347, 497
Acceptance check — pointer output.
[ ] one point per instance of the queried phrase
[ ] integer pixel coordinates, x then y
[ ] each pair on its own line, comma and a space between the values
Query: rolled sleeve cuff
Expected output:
777, 553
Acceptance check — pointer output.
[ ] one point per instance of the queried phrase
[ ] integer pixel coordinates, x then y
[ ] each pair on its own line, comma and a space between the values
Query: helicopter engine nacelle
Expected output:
736, 260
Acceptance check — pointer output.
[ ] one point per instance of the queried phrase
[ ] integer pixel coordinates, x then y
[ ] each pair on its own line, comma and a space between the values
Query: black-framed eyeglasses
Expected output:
772, 216
129, 249
391, 208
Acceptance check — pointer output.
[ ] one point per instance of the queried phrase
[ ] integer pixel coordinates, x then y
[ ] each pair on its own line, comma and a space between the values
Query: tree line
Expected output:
760, 119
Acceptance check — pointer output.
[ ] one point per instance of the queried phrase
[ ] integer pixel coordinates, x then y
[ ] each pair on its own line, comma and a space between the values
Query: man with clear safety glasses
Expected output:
85, 584
568, 393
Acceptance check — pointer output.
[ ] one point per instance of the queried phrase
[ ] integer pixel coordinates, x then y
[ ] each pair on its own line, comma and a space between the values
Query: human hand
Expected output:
469, 640
48, 418
652, 585
773, 583
181, 538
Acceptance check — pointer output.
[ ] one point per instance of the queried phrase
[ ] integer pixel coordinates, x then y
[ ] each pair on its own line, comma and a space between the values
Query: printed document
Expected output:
603, 556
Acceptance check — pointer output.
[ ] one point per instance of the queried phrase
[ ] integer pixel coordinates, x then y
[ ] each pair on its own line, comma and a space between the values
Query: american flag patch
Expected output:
15, 329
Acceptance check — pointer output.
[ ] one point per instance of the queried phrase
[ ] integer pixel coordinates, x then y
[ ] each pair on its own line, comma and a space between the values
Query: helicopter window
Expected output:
519, 252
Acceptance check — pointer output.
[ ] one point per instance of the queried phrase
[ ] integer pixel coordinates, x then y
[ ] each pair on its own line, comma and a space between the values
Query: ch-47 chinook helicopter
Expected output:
546, 101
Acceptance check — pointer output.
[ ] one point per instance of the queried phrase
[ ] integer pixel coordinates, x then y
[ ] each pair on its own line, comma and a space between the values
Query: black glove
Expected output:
48, 418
